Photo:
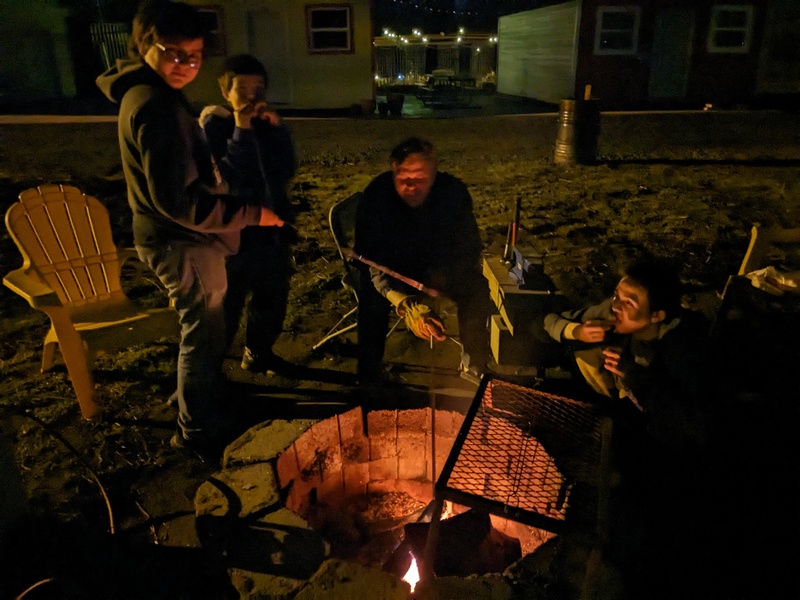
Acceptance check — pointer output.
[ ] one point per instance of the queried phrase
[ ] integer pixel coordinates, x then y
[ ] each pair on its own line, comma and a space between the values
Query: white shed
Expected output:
537, 52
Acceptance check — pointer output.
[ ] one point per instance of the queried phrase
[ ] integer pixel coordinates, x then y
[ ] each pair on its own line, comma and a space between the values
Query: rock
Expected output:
342, 580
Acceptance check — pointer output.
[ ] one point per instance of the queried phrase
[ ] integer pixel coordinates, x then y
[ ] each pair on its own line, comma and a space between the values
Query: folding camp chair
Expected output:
765, 247
342, 221
71, 272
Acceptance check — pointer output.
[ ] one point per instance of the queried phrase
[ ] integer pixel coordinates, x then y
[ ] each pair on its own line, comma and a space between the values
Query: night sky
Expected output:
480, 16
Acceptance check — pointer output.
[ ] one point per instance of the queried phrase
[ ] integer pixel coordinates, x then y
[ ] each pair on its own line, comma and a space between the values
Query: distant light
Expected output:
385, 32
477, 49
458, 39
424, 39
461, 30
377, 77
400, 76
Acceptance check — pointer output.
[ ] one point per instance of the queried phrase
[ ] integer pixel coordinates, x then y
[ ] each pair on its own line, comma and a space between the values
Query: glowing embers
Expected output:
358, 480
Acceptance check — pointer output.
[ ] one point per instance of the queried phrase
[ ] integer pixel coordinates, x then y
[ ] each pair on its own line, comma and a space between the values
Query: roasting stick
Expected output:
407, 280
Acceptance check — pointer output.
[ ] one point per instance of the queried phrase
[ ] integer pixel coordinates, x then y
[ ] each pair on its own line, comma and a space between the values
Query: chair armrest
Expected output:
37, 294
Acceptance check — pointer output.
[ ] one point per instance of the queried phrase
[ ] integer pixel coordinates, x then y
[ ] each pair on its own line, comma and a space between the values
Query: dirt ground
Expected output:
684, 185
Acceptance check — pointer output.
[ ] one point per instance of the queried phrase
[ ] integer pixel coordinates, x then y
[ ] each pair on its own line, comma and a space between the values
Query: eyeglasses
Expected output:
179, 57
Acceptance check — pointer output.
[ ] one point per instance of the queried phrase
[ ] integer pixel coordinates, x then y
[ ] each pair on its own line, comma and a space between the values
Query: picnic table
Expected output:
446, 91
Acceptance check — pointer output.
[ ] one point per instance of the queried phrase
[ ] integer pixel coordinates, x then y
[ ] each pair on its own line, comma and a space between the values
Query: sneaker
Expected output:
470, 374
269, 364
206, 448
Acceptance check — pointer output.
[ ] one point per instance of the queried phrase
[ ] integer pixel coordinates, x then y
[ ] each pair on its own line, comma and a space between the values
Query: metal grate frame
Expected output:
529, 456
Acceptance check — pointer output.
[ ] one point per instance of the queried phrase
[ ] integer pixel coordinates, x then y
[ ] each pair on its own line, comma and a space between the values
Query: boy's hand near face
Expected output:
245, 112
592, 331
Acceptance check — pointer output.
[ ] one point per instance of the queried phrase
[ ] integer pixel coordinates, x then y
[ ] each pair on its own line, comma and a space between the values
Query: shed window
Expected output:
731, 28
617, 30
329, 28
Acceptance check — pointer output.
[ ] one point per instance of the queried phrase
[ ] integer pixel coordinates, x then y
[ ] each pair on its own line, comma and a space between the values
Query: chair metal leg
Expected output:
335, 332
396, 323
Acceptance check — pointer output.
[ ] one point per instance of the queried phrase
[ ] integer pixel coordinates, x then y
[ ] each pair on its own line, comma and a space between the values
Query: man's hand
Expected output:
421, 320
612, 357
270, 219
592, 331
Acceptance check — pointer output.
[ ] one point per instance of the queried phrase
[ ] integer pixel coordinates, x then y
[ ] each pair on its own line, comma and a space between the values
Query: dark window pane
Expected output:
329, 40
210, 19
731, 18
729, 39
618, 20
329, 18
615, 41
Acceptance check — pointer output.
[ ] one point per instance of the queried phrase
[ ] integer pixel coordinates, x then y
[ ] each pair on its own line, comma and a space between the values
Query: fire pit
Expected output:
301, 500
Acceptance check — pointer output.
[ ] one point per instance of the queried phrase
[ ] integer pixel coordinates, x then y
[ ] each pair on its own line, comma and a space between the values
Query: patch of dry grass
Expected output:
686, 186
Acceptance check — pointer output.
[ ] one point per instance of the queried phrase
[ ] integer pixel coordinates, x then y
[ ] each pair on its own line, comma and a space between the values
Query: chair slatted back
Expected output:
66, 241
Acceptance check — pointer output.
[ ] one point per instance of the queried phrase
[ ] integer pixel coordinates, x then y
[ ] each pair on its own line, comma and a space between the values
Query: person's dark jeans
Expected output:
263, 270
196, 281
470, 292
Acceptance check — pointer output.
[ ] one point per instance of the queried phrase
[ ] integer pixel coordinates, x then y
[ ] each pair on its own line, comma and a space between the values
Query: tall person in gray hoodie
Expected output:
186, 215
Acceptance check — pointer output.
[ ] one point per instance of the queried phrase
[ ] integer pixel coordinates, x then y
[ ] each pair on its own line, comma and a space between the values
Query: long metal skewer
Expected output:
407, 280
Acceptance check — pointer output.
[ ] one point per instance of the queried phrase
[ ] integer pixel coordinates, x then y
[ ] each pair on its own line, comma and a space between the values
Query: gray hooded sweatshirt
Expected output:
172, 181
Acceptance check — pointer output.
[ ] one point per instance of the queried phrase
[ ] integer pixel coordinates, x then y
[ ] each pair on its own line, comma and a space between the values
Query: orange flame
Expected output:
412, 575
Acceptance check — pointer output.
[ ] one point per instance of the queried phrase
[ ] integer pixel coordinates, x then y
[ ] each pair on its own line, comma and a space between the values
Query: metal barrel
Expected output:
578, 130
564, 152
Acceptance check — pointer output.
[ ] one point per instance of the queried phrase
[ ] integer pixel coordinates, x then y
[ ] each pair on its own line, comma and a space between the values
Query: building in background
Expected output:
654, 53
411, 59
35, 57
318, 54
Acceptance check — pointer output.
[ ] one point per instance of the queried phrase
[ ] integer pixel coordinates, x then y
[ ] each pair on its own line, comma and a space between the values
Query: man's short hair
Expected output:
412, 145
240, 64
660, 278
165, 20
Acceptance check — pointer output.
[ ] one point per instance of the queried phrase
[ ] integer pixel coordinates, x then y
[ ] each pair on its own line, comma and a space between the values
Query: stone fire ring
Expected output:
248, 512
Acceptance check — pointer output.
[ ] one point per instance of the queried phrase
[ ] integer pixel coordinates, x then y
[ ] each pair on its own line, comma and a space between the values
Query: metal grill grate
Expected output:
525, 455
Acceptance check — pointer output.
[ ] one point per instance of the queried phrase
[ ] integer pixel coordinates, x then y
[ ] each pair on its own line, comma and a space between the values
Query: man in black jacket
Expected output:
418, 222
185, 221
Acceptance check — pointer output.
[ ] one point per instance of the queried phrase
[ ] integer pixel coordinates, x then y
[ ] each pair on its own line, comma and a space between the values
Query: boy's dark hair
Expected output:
660, 279
165, 20
412, 145
240, 64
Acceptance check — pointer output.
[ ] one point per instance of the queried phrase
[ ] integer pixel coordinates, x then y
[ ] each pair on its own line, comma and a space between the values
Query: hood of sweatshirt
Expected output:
127, 73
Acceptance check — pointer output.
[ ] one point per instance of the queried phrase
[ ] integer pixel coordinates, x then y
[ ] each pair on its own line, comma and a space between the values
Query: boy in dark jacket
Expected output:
647, 354
262, 268
185, 222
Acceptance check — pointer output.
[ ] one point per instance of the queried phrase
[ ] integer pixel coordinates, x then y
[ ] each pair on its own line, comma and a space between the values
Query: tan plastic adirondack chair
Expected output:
71, 271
